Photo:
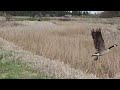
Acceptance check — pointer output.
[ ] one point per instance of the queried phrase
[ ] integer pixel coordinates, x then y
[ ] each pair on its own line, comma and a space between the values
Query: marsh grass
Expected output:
71, 44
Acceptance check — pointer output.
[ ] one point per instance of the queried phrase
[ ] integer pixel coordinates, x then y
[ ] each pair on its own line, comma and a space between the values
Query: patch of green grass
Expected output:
9, 70
13, 69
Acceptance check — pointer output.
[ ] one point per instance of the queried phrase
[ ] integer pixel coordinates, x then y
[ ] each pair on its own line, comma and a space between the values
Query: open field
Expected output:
68, 42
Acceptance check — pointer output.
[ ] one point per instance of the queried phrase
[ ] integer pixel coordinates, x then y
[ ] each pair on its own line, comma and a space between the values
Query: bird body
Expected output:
99, 43
101, 53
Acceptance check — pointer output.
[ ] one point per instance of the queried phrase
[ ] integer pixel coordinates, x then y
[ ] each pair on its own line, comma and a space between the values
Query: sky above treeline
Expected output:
93, 12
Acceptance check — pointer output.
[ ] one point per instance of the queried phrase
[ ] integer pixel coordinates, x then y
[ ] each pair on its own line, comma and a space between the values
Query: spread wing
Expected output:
98, 40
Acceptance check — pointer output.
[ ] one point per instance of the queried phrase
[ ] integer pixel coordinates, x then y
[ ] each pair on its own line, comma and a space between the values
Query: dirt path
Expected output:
52, 68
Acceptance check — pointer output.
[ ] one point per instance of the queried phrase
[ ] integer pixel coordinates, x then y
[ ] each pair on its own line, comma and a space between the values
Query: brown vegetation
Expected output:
72, 44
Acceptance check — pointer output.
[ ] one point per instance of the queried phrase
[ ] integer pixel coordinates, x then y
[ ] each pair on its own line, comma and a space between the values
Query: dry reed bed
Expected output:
53, 68
71, 44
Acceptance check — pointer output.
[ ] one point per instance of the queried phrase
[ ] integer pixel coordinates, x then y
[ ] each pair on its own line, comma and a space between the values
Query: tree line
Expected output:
109, 14
105, 14
45, 13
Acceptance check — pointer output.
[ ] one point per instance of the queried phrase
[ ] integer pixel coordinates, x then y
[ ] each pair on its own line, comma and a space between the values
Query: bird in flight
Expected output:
99, 43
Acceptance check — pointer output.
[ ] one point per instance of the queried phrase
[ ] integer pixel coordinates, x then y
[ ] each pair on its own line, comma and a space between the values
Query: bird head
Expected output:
115, 45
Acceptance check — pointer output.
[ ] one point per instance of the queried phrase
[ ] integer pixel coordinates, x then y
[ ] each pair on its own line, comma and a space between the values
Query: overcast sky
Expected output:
93, 12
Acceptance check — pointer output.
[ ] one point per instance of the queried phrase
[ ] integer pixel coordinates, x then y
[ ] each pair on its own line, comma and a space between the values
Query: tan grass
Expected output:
54, 69
72, 44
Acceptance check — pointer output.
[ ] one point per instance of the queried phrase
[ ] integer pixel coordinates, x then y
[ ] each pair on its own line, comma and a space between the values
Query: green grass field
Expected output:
13, 69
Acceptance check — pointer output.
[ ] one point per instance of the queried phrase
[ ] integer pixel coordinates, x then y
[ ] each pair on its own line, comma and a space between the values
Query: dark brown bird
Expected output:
99, 43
